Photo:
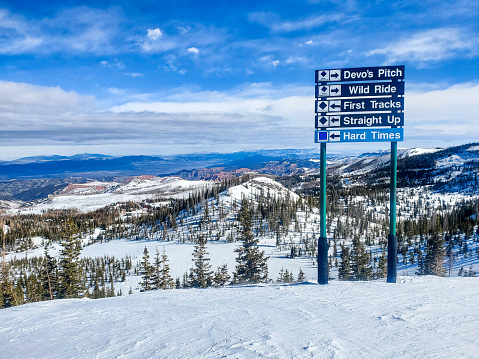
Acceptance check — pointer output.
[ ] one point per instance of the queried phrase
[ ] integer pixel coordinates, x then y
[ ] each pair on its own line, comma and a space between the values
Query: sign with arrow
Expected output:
359, 135
360, 89
356, 104
369, 98
360, 120
361, 105
384, 73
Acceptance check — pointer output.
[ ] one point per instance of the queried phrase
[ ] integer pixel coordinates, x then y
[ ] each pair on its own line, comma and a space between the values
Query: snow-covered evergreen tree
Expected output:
344, 271
147, 272
251, 264
221, 277
200, 274
433, 262
161, 277
70, 271
382, 270
49, 278
360, 261
301, 276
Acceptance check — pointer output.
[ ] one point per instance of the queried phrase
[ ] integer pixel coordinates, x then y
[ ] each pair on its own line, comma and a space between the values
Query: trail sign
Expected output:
361, 105
360, 89
360, 120
354, 105
361, 74
359, 135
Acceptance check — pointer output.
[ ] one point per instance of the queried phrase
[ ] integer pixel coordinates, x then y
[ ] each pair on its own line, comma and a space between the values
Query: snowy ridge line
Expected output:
90, 196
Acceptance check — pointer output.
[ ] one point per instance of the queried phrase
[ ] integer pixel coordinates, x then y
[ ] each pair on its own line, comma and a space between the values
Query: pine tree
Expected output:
200, 274
433, 262
7, 298
382, 270
420, 263
360, 263
18, 294
147, 272
49, 276
344, 271
161, 278
70, 282
221, 277
301, 276
156, 276
251, 265
285, 276
281, 276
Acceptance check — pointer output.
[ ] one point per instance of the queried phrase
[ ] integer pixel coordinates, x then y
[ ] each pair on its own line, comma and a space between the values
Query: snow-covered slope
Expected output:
220, 251
252, 189
424, 317
86, 197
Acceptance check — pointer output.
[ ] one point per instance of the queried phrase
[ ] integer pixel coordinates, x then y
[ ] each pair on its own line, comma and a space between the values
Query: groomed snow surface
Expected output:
418, 317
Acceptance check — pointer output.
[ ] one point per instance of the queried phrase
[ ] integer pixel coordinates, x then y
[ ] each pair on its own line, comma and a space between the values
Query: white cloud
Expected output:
22, 98
16, 34
116, 91
203, 37
310, 42
134, 74
115, 64
184, 29
275, 63
442, 117
296, 60
260, 115
74, 30
430, 45
193, 50
154, 34
273, 21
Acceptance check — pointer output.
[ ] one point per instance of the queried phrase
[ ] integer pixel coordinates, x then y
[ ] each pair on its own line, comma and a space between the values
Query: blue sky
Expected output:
165, 77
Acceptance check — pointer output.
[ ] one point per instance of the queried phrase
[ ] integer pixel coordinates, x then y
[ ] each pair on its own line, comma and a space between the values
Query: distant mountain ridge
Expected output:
453, 169
97, 166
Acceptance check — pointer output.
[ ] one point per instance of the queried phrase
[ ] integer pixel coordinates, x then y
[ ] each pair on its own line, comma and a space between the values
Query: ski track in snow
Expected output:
422, 317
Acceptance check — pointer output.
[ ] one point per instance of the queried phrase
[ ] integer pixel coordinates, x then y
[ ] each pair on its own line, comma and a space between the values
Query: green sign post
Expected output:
322, 241
392, 239
342, 106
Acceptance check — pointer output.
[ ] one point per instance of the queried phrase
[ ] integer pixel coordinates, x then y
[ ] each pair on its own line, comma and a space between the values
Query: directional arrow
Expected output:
360, 135
334, 120
334, 75
336, 90
334, 106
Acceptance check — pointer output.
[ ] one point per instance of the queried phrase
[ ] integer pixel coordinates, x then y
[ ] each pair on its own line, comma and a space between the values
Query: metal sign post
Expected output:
363, 104
392, 239
322, 241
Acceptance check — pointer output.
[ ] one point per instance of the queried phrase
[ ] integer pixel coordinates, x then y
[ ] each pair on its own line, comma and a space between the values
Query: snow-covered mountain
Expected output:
453, 169
92, 195
449, 170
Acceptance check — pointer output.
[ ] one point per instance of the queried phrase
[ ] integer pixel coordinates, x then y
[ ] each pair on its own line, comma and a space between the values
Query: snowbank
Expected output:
426, 317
